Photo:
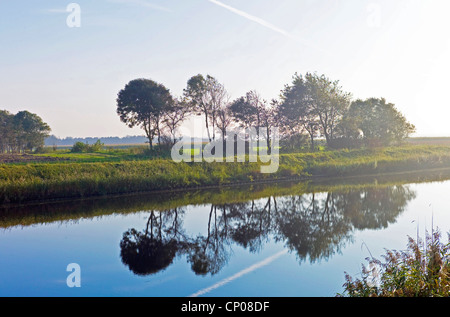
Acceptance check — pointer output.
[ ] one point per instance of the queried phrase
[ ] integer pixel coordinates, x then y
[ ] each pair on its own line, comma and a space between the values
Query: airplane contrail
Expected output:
268, 25
239, 274
252, 18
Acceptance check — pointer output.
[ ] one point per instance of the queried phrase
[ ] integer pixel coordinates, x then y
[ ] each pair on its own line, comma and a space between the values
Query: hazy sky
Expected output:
397, 49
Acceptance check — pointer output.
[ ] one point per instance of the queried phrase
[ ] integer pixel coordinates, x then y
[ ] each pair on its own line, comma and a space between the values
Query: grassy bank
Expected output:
66, 210
74, 179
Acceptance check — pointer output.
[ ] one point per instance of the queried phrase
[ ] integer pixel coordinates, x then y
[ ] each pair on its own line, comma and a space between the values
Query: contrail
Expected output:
239, 274
142, 3
252, 18
268, 25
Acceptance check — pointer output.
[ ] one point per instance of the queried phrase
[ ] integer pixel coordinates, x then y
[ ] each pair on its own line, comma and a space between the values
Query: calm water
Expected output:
293, 240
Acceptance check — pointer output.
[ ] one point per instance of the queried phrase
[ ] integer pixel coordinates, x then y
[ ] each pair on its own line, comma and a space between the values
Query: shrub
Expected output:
80, 147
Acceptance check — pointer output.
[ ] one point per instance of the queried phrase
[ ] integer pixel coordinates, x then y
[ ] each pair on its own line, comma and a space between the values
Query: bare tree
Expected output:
224, 119
175, 116
206, 96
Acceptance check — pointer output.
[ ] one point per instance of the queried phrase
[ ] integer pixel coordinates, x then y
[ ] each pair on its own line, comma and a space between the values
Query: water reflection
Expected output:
313, 225
155, 248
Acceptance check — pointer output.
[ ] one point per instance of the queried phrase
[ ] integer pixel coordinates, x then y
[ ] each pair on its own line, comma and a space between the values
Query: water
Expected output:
290, 240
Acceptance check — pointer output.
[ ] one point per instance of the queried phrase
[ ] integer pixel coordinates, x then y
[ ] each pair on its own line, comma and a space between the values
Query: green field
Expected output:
128, 171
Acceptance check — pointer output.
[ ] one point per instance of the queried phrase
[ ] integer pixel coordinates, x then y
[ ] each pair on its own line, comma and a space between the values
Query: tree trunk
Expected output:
207, 126
312, 142
269, 149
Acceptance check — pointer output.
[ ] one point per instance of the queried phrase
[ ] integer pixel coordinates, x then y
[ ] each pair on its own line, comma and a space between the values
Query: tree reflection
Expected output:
208, 254
313, 226
250, 223
154, 249
375, 208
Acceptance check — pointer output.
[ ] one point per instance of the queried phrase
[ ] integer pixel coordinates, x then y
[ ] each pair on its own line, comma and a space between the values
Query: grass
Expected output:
115, 171
64, 210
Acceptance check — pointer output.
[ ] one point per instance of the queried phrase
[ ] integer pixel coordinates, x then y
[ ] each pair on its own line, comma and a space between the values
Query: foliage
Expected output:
296, 114
314, 104
378, 122
22, 131
173, 117
423, 270
80, 147
206, 96
143, 102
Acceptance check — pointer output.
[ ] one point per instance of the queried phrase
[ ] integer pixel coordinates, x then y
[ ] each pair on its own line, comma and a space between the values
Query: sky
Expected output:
68, 68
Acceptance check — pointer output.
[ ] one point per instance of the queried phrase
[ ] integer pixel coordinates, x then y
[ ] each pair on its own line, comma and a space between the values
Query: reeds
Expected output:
423, 270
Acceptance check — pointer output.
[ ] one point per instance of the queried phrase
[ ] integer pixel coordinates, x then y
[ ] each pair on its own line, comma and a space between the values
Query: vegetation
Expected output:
207, 97
423, 270
119, 171
143, 103
318, 106
312, 105
81, 147
21, 132
377, 121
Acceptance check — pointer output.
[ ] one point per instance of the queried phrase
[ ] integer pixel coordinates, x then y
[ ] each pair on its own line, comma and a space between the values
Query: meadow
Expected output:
131, 170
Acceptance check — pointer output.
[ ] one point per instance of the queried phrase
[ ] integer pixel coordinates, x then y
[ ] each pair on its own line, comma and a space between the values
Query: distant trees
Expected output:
24, 131
55, 141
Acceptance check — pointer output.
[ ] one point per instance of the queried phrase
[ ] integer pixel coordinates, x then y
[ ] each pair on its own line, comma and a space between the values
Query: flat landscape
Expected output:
224, 148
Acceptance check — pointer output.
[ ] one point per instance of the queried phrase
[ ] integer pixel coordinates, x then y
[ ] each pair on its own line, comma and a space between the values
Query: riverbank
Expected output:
68, 179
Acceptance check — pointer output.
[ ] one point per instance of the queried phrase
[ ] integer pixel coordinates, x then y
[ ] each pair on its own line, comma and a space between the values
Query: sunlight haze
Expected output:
71, 76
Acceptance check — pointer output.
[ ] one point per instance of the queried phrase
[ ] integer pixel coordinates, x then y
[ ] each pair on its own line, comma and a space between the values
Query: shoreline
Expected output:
66, 209
294, 180
44, 183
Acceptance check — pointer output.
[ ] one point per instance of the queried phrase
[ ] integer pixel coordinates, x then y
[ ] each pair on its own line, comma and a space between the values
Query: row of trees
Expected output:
311, 107
24, 131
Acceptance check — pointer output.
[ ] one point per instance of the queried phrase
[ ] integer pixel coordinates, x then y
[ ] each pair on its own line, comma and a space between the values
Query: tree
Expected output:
6, 131
246, 110
314, 104
143, 102
296, 111
31, 130
328, 102
22, 131
224, 120
206, 96
174, 117
377, 122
